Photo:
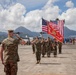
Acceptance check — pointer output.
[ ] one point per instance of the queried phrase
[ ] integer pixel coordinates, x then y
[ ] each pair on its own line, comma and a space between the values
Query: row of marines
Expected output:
45, 46
9, 51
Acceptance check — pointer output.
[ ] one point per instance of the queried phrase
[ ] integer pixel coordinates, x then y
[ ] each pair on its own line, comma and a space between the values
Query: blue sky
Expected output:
61, 4
28, 13
36, 4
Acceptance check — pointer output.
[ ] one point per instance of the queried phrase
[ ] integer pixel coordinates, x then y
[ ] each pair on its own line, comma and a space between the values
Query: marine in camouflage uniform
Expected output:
73, 41
10, 55
49, 47
54, 47
43, 47
60, 47
38, 50
33, 46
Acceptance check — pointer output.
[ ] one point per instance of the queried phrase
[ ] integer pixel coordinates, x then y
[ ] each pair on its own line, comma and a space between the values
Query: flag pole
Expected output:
63, 30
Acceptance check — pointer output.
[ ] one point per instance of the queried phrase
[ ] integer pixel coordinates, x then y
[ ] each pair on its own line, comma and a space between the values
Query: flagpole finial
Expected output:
57, 19
64, 20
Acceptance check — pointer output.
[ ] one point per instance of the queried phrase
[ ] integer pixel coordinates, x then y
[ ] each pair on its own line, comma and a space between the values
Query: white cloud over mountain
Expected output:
12, 17
70, 18
16, 16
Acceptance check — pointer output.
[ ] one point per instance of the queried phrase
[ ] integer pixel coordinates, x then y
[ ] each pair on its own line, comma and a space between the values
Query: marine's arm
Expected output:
2, 48
22, 42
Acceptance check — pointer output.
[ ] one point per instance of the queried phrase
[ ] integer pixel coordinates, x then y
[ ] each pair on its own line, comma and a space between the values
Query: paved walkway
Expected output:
64, 64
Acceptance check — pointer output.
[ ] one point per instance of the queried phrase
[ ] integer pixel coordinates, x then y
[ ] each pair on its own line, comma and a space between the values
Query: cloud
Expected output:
13, 17
17, 15
69, 4
69, 16
33, 18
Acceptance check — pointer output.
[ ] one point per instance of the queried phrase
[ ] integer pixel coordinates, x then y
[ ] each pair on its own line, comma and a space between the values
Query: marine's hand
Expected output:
17, 36
22, 42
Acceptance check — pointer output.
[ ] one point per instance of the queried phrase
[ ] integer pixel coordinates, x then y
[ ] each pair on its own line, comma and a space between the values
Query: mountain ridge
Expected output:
24, 31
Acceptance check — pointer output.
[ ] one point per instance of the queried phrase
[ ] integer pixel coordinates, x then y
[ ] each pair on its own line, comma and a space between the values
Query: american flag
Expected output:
44, 25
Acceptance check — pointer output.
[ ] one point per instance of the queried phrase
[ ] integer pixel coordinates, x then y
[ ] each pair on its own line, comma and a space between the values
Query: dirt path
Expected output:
64, 64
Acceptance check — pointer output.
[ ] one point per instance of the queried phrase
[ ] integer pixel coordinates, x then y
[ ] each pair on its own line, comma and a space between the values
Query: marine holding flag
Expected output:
55, 29
59, 26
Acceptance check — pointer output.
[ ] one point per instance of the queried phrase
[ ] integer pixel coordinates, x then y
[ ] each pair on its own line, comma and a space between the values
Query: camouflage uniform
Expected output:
43, 48
10, 55
73, 41
33, 47
60, 47
38, 50
54, 47
49, 48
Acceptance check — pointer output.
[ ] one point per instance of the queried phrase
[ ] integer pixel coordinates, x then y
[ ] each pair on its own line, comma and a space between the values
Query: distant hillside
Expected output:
3, 35
69, 33
23, 32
